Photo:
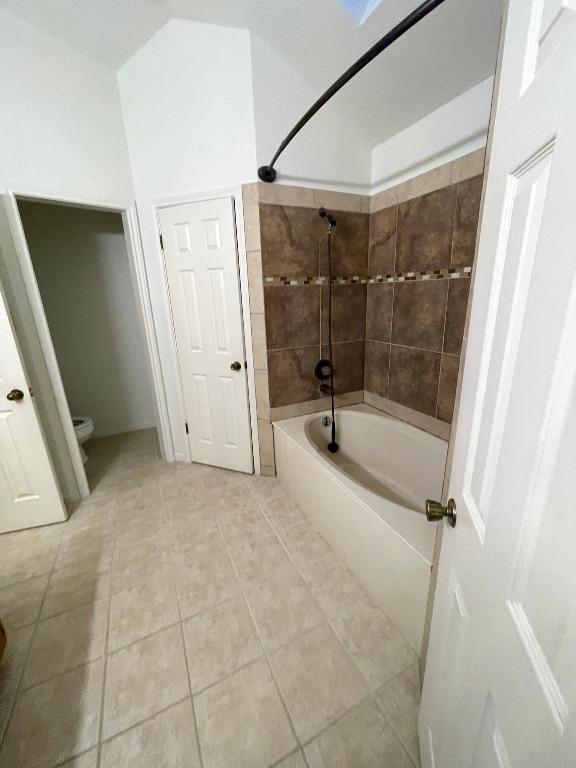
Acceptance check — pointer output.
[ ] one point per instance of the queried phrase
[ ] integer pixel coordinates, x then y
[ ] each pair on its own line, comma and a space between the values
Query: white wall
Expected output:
188, 112
330, 150
453, 130
83, 273
60, 119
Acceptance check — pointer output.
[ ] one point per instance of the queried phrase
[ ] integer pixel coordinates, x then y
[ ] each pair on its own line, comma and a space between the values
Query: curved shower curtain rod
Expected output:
267, 172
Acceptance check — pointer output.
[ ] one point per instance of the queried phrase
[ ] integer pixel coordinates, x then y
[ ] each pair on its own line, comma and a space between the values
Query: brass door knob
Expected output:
15, 394
236, 366
436, 511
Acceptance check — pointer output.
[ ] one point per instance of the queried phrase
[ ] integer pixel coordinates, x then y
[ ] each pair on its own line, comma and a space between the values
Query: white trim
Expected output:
236, 194
138, 269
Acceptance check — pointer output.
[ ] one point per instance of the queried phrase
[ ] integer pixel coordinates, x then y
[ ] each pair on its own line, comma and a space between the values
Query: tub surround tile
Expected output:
458, 293
266, 443
468, 166
414, 377
425, 231
338, 201
342, 400
466, 221
285, 194
377, 367
382, 241
294, 409
379, 304
349, 244
251, 217
291, 375
418, 419
166, 740
292, 316
241, 721
447, 387
317, 680
255, 283
400, 702
348, 313
259, 342
361, 738
289, 241
262, 394
419, 314
218, 642
348, 360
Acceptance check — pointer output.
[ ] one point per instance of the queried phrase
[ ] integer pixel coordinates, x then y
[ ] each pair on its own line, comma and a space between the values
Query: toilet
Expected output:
83, 427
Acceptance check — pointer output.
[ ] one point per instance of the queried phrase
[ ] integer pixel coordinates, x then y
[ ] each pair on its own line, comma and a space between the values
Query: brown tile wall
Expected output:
399, 342
294, 245
414, 329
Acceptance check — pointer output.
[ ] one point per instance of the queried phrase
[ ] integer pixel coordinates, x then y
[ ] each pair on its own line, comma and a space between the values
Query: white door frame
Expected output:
194, 197
140, 284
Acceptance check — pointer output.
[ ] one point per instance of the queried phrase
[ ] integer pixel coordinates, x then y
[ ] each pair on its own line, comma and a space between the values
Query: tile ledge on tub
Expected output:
422, 421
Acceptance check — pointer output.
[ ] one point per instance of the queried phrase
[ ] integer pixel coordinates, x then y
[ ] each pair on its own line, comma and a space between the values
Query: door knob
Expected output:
436, 511
15, 394
236, 366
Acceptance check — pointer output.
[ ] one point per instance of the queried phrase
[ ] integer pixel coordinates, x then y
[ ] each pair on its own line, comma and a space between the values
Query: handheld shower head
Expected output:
324, 214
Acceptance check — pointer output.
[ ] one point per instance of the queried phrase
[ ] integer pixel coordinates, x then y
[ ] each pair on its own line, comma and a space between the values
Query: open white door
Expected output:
29, 494
500, 684
200, 250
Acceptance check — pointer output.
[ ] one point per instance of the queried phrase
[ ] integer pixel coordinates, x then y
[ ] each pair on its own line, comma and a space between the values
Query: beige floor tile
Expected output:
90, 549
283, 608
241, 721
66, 641
188, 544
138, 504
318, 681
55, 720
13, 660
143, 679
6, 703
141, 610
20, 603
304, 543
27, 554
295, 760
87, 760
143, 561
282, 512
168, 740
361, 739
333, 585
400, 702
239, 526
373, 642
71, 588
205, 582
264, 488
260, 559
218, 642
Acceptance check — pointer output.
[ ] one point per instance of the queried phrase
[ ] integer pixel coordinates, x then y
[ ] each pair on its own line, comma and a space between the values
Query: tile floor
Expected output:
187, 616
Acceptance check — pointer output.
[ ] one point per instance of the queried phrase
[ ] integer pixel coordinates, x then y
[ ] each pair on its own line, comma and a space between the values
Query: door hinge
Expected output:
161, 242
186, 425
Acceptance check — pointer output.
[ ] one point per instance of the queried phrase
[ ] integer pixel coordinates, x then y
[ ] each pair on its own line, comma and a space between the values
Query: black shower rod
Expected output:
267, 172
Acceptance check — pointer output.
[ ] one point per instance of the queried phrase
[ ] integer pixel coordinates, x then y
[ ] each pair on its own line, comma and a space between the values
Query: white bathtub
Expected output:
368, 501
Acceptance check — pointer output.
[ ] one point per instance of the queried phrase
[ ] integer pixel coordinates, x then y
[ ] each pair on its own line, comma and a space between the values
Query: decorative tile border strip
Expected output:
451, 273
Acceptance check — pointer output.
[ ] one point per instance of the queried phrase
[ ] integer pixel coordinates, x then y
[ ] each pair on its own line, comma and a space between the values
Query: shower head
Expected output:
324, 214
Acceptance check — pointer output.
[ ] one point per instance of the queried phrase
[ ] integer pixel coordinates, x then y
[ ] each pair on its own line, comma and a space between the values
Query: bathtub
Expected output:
368, 501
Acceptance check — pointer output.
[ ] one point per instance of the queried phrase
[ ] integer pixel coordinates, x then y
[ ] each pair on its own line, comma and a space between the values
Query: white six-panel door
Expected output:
29, 494
500, 684
201, 256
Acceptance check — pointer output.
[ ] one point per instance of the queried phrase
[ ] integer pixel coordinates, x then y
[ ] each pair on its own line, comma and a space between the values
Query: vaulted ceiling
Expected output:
449, 52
